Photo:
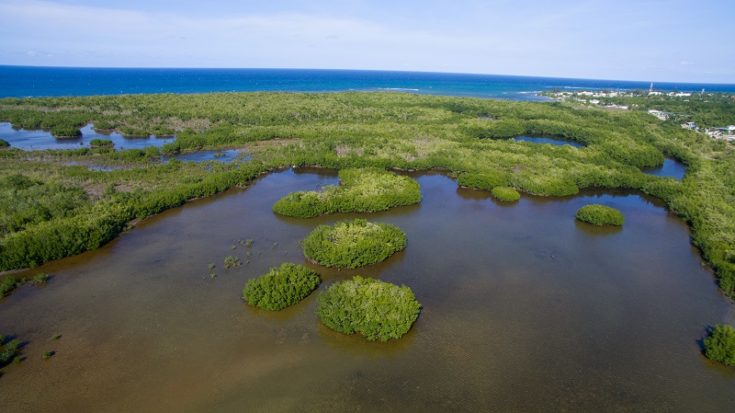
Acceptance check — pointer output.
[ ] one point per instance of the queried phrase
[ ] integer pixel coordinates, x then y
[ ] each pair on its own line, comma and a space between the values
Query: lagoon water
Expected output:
35, 140
671, 168
548, 140
525, 309
23, 81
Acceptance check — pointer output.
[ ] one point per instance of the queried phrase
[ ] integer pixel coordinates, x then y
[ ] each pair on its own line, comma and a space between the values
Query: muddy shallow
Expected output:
524, 310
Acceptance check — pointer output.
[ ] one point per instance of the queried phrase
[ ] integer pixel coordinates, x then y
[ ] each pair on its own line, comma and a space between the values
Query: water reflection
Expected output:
511, 298
224, 156
671, 168
548, 140
35, 140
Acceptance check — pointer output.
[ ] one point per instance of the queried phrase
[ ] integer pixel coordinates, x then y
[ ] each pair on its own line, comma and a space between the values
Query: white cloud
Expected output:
564, 43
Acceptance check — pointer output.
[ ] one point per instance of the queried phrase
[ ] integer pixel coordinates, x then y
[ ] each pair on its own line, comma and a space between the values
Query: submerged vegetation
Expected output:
347, 130
600, 215
9, 349
10, 282
720, 345
352, 244
376, 309
281, 287
360, 190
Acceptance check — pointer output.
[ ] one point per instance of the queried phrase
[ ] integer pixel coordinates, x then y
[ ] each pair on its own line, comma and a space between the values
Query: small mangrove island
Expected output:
360, 190
281, 287
375, 309
353, 244
600, 215
720, 344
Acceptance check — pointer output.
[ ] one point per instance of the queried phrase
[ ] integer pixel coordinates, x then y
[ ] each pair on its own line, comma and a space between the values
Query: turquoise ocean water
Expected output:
22, 81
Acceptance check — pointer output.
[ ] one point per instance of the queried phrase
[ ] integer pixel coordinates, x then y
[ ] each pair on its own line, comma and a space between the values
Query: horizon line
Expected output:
364, 70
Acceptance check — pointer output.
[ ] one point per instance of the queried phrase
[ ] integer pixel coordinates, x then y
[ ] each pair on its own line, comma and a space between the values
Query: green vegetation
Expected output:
707, 110
376, 309
48, 354
4, 144
39, 279
352, 130
361, 190
8, 283
9, 350
281, 287
352, 244
486, 180
101, 144
600, 215
720, 345
505, 194
25, 201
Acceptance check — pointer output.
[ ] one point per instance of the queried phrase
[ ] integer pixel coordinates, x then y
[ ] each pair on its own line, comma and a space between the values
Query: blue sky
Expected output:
676, 40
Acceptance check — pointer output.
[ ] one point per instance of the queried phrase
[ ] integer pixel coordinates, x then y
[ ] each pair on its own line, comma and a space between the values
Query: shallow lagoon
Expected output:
525, 309
548, 140
671, 168
36, 140
224, 156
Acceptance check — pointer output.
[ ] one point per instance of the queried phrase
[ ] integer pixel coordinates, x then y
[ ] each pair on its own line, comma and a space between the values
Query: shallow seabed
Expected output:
525, 309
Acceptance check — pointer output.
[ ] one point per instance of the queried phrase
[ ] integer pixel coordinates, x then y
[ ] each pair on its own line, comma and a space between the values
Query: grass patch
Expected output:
101, 144
600, 215
352, 244
360, 190
281, 287
505, 194
720, 345
376, 309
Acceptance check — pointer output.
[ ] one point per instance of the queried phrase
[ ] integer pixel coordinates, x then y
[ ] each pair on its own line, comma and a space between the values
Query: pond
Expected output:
548, 140
525, 309
35, 140
224, 156
671, 168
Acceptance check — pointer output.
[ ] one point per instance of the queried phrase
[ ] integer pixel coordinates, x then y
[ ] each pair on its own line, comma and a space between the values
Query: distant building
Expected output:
689, 125
661, 115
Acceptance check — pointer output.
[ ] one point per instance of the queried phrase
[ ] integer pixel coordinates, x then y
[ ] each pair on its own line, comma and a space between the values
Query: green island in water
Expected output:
373, 157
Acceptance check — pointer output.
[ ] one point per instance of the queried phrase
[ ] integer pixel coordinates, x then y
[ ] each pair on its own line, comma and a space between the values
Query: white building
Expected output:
660, 115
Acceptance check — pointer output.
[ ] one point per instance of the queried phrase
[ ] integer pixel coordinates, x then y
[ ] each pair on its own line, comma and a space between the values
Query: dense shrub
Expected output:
352, 244
378, 310
596, 214
720, 345
486, 180
9, 349
500, 129
505, 194
4, 144
360, 190
25, 201
281, 287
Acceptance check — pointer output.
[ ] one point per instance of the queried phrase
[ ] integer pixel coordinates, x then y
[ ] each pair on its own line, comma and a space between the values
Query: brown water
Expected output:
524, 310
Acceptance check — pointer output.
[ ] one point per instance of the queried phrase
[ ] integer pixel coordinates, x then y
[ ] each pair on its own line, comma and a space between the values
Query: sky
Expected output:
673, 40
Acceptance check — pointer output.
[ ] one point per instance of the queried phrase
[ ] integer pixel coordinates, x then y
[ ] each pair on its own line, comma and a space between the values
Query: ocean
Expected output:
25, 81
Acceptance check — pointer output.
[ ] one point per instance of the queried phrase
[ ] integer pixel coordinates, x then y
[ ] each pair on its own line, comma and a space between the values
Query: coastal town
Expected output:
655, 103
